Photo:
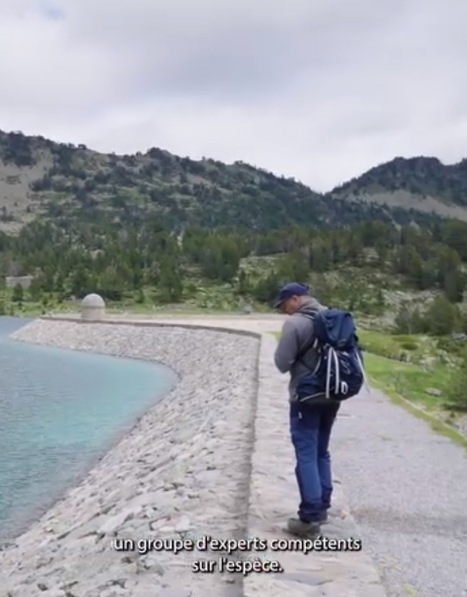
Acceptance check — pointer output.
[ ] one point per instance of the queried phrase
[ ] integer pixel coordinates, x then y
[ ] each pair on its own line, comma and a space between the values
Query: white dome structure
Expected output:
92, 307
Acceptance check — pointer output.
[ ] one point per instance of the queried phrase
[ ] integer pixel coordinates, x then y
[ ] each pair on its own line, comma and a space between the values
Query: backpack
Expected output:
339, 373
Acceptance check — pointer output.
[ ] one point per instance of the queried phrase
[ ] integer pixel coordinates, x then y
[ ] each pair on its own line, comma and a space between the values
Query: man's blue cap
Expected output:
290, 290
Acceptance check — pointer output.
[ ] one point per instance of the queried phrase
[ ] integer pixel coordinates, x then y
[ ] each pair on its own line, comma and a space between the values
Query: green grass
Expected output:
409, 381
405, 385
380, 343
407, 348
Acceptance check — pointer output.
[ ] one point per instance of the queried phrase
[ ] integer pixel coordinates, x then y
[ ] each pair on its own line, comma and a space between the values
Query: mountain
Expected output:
63, 183
420, 183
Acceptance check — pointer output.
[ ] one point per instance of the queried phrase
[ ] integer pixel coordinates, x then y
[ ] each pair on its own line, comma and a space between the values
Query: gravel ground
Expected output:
407, 488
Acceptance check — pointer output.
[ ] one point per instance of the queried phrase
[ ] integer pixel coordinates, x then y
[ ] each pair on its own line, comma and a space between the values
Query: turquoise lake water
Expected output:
60, 410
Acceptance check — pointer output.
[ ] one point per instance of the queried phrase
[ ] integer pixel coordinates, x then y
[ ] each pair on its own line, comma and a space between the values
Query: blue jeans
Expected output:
310, 429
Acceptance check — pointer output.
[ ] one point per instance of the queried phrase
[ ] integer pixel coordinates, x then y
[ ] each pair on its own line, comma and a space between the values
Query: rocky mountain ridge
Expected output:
63, 183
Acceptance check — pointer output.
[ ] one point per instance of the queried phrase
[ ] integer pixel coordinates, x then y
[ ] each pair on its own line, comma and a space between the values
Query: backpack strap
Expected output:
301, 353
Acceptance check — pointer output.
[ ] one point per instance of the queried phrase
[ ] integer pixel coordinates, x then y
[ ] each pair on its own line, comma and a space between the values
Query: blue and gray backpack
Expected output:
339, 373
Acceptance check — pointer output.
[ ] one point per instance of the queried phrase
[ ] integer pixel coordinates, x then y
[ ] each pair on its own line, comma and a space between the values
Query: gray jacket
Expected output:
296, 334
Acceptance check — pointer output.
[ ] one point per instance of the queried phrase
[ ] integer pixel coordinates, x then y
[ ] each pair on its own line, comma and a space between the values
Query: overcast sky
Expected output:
321, 90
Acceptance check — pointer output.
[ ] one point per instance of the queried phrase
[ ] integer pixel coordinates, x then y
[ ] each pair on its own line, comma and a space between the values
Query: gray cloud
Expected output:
316, 90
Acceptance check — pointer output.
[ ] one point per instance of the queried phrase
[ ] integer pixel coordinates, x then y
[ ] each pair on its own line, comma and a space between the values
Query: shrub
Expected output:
410, 321
457, 390
408, 345
442, 316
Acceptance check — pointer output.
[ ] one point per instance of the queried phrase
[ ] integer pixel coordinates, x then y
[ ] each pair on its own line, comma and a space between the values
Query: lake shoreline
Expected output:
8, 538
199, 416
21, 519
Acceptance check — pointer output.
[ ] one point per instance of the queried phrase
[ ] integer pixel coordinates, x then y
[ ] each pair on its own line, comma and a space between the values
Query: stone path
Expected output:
273, 498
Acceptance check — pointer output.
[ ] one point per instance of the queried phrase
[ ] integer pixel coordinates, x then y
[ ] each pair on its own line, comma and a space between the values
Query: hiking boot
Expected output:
295, 526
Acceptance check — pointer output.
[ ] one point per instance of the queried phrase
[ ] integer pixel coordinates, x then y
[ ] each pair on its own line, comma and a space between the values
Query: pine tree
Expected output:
18, 294
442, 317
454, 285
294, 267
170, 281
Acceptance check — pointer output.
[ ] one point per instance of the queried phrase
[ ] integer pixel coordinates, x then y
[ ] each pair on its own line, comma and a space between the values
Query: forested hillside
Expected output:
155, 229
363, 267
72, 185
69, 185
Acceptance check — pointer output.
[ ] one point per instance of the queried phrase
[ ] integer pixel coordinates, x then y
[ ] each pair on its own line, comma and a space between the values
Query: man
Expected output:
311, 424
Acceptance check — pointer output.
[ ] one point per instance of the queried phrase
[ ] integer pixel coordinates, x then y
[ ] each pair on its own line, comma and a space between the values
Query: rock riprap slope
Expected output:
183, 471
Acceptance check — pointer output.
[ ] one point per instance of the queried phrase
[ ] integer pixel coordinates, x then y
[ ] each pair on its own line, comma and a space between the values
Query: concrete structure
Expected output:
23, 281
92, 307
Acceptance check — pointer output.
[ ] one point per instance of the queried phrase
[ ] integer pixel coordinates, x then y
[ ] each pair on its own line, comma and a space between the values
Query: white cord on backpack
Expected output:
338, 372
332, 357
365, 380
